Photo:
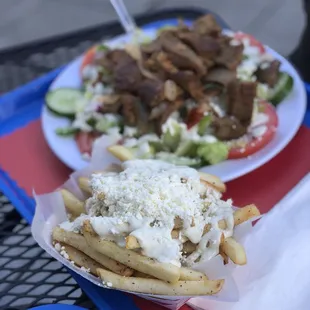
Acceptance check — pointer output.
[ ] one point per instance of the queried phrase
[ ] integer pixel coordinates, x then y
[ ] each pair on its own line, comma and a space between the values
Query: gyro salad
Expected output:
193, 95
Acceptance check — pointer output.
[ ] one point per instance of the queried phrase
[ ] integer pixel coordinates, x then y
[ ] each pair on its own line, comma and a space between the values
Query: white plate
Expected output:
290, 112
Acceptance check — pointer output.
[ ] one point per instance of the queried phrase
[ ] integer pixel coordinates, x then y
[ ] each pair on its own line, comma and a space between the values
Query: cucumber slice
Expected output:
186, 148
67, 131
108, 121
282, 89
204, 123
64, 101
156, 145
171, 136
178, 160
102, 48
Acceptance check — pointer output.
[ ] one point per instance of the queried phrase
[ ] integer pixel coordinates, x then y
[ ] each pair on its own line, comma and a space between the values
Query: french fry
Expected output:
78, 241
74, 206
178, 223
207, 185
187, 274
234, 250
241, 215
244, 214
132, 243
213, 181
157, 287
225, 257
175, 234
82, 260
189, 247
120, 152
163, 271
139, 274
84, 185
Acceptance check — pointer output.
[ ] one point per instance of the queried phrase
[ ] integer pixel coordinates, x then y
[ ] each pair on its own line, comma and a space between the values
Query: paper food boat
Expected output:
50, 211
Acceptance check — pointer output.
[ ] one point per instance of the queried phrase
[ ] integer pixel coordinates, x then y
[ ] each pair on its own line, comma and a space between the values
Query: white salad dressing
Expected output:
130, 131
259, 131
145, 199
156, 242
259, 119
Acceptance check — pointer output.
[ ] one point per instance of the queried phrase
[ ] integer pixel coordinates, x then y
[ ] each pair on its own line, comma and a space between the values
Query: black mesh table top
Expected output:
29, 276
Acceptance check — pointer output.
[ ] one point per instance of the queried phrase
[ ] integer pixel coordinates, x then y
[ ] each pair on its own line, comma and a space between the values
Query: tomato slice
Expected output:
257, 143
85, 141
194, 117
88, 58
240, 36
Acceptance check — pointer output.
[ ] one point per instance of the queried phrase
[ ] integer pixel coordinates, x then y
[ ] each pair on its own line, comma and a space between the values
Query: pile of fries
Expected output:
126, 268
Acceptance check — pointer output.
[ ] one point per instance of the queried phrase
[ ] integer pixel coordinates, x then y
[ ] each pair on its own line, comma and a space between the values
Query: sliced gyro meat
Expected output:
269, 72
240, 100
207, 25
127, 76
151, 47
167, 110
182, 56
151, 92
109, 103
205, 46
189, 81
228, 128
135, 114
231, 54
221, 75
129, 109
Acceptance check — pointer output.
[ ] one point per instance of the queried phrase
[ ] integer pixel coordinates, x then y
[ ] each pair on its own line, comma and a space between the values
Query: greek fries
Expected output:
144, 235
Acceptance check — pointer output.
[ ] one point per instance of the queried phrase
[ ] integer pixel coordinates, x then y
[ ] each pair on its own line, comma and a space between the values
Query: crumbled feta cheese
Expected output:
265, 65
90, 72
85, 269
235, 42
64, 254
144, 150
259, 119
109, 284
132, 142
99, 89
145, 199
57, 247
130, 131
74, 226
